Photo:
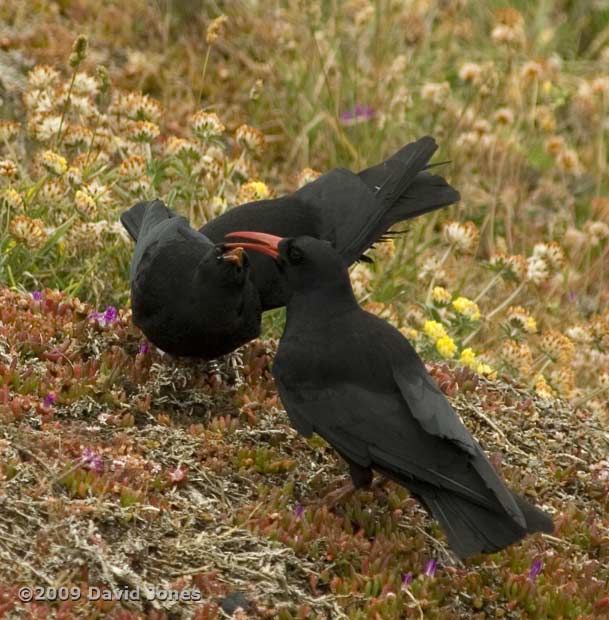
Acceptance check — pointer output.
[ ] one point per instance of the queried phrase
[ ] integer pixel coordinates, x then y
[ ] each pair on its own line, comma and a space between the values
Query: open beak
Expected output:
235, 256
267, 244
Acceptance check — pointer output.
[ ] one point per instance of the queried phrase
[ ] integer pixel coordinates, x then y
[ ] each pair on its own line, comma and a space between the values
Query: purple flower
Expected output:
359, 114
91, 460
111, 314
37, 295
536, 568
430, 568
98, 317
572, 296
144, 348
49, 399
299, 510
103, 318
407, 579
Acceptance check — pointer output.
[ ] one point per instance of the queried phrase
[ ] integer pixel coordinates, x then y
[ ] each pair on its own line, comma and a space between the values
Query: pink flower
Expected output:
536, 568
49, 399
109, 315
92, 461
359, 114
430, 568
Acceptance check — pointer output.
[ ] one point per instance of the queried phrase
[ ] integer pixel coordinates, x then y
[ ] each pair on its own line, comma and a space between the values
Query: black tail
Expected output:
473, 529
132, 218
402, 190
427, 192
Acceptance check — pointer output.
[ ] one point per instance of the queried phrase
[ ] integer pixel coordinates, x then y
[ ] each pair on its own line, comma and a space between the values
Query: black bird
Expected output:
190, 297
356, 381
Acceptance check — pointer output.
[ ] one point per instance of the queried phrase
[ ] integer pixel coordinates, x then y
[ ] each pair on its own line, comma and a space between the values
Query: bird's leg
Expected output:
377, 486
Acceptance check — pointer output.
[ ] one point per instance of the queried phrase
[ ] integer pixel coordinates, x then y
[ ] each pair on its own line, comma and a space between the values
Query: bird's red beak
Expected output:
267, 244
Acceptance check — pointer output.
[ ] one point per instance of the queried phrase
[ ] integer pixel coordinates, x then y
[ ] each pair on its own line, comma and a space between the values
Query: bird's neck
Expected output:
320, 305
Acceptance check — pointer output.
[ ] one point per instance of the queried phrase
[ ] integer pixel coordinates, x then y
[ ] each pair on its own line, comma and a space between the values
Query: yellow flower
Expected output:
409, 332
12, 199
440, 295
446, 347
215, 29
28, 231
467, 308
557, 346
468, 357
85, 204
54, 163
542, 387
253, 190
486, 370
435, 330
519, 318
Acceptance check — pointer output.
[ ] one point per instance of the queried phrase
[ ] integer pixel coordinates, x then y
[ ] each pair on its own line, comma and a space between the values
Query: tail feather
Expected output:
426, 193
389, 179
403, 167
388, 182
133, 218
472, 529
537, 520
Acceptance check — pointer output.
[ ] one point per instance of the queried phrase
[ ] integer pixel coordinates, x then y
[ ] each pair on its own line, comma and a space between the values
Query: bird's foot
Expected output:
333, 498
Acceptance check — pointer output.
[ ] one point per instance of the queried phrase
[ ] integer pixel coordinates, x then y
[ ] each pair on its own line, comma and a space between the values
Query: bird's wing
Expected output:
406, 426
377, 430
428, 405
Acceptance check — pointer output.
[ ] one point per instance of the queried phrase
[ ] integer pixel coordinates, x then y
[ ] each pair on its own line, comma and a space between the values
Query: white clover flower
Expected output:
537, 269
463, 235
42, 77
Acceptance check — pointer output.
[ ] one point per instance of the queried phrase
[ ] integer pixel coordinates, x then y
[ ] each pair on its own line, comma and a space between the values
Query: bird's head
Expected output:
221, 277
184, 284
306, 263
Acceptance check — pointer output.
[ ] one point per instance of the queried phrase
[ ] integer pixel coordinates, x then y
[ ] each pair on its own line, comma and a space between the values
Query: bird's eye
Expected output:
295, 255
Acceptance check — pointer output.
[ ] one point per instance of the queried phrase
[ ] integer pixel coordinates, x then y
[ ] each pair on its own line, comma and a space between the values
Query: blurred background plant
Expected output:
208, 105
